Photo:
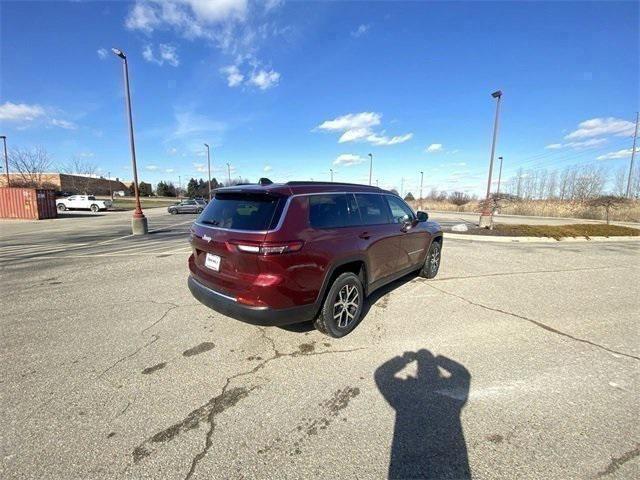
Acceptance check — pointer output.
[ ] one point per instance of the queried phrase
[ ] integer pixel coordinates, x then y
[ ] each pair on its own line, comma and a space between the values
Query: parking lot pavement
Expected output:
518, 361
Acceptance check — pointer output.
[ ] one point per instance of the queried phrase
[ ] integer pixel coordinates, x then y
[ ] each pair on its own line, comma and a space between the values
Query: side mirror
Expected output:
422, 216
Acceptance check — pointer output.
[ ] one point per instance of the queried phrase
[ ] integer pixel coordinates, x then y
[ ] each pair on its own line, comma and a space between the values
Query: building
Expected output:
74, 184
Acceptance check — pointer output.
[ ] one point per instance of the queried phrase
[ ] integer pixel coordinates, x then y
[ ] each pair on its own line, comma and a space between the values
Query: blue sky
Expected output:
289, 90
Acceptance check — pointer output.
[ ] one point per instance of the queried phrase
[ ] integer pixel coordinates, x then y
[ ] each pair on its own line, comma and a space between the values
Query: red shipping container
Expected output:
27, 203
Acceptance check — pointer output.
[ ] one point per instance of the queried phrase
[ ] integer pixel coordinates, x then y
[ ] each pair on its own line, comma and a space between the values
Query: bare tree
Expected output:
82, 174
608, 202
552, 184
30, 165
520, 176
620, 182
459, 199
589, 183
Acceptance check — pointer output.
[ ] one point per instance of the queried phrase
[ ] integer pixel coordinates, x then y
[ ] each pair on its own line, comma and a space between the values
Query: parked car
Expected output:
82, 202
285, 253
186, 206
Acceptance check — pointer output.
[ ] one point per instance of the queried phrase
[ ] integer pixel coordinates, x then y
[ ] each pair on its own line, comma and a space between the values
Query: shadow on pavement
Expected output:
428, 441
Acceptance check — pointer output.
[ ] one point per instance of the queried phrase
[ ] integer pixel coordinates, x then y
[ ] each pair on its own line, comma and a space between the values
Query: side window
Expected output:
331, 211
373, 209
400, 212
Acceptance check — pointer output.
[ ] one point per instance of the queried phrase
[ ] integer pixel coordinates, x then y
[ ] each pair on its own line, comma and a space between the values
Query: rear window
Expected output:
243, 211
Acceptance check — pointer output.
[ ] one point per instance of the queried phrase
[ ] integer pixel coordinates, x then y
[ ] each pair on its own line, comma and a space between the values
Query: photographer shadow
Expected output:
428, 440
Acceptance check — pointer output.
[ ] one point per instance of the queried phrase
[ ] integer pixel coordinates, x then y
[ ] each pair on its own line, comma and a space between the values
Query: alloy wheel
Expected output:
346, 305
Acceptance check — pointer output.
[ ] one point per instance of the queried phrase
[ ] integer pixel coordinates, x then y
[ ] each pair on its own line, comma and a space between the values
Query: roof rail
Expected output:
302, 182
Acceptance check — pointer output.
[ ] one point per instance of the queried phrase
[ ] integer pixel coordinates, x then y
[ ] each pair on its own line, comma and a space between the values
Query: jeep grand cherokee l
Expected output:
284, 253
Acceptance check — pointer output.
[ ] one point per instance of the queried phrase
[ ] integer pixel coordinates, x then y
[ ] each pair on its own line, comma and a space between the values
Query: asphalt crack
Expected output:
228, 398
617, 462
155, 338
537, 323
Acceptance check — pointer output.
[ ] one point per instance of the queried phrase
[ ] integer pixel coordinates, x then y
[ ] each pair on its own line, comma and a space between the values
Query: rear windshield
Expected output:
243, 211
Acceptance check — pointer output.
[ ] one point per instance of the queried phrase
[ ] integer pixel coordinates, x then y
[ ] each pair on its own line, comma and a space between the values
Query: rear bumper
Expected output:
255, 315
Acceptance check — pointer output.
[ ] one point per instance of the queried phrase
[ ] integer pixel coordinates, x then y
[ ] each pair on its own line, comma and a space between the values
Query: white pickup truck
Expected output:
82, 202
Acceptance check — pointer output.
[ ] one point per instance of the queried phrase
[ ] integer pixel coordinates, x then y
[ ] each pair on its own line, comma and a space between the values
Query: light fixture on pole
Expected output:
485, 216
499, 175
209, 168
331, 170
138, 220
6, 160
370, 166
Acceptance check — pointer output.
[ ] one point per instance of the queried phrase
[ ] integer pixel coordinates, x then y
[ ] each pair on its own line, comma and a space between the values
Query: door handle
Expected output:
365, 235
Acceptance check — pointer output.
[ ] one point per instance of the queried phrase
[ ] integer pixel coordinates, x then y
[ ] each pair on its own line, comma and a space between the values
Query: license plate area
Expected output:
212, 262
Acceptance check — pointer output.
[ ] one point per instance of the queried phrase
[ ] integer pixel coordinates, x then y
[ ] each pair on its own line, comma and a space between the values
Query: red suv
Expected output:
284, 253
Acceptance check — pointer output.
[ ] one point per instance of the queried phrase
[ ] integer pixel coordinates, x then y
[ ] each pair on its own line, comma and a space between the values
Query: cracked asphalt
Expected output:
517, 361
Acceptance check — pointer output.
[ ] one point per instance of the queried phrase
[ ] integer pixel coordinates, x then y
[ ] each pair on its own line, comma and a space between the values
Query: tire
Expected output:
173, 211
94, 208
62, 207
348, 287
432, 262
198, 211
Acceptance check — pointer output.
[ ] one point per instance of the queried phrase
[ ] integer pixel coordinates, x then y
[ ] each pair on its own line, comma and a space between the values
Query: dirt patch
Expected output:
558, 232
154, 368
198, 349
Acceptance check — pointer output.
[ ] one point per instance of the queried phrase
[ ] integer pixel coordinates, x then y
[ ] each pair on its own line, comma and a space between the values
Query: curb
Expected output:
482, 238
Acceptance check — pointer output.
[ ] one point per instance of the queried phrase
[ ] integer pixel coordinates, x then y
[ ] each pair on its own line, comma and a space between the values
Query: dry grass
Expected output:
559, 231
544, 208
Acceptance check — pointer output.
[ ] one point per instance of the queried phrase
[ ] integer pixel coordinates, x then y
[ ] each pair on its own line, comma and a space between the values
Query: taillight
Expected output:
265, 248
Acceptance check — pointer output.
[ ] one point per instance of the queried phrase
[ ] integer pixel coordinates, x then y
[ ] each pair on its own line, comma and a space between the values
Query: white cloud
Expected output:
166, 53
190, 124
56, 122
348, 159
151, 168
361, 30
20, 112
169, 170
602, 126
264, 79
85, 154
236, 27
234, 77
172, 151
384, 140
626, 153
102, 53
351, 121
359, 127
267, 168
592, 142
434, 147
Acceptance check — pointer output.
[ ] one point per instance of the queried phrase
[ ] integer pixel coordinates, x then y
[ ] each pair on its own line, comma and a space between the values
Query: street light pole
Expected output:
110, 189
370, 166
485, 216
421, 178
138, 220
499, 175
331, 170
229, 172
209, 168
6, 160
633, 155
179, 187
